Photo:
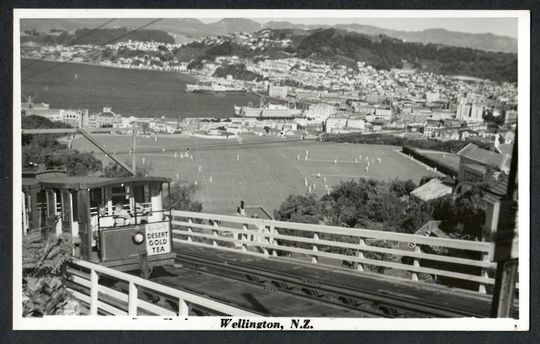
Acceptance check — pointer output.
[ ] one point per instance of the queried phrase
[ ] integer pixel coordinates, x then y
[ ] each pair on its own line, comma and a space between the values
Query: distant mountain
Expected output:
482, 41
231, 25
288, 25
195, 28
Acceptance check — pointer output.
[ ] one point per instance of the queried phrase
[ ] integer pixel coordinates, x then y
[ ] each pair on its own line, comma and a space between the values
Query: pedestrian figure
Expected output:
324, 179
237, 157
211, 179
335, 161
196, 182
305, 181
298, 157
200, 168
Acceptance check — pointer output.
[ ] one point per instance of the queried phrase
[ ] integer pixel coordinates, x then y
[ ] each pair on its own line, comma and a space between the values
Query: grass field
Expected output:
261, 171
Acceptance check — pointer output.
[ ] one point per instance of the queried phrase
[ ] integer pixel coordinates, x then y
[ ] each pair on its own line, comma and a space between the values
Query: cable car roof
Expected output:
89, 182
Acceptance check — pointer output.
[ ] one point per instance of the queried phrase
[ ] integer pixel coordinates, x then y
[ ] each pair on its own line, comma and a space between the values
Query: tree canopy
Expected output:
44, 150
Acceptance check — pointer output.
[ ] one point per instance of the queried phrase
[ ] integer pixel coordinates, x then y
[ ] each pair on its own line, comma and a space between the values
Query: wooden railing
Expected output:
457, 263
85, 287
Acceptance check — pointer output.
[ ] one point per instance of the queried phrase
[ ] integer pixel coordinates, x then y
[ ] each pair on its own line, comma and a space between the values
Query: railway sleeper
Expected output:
350, 301
282, 285
390, 310
256, 279
313, 292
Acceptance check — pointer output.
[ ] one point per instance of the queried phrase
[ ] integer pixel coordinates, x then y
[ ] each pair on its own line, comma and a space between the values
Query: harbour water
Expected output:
141, 93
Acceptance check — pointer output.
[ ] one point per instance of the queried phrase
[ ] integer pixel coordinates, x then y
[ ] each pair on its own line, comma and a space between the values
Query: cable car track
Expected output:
387, 305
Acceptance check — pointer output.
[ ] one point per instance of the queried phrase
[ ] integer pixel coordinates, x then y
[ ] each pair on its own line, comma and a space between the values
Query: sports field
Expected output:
262, 171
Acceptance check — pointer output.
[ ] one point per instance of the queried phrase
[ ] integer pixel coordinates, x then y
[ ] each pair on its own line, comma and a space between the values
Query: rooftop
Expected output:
482, 156
431, 190
87, 182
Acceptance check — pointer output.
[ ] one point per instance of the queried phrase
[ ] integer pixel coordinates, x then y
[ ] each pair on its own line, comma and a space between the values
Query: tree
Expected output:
45, 256
79, 164
181, 196
402, 187
299, 208
46, 150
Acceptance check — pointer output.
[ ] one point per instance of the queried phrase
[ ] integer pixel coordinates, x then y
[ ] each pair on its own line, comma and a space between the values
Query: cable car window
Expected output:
95, 197
96, 200
140, 194
119, 195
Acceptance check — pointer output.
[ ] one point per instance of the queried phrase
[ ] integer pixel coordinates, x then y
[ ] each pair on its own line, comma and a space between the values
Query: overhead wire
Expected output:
74, 41
92, 50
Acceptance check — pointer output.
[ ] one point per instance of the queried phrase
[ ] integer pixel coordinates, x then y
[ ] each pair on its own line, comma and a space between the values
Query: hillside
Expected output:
238, 72
99, 37
384, 53
194, 28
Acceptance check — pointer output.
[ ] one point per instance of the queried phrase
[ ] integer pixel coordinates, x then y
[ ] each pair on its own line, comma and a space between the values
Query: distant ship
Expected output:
269, 111
213, 88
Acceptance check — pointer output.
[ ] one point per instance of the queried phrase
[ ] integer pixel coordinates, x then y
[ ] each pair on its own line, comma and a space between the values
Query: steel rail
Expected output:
333, 292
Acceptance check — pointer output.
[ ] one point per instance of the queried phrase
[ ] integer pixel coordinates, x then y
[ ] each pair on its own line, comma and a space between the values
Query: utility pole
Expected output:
133, 157
504, 246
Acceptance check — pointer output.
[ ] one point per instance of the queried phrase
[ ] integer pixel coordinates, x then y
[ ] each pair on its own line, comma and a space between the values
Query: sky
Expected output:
497, 26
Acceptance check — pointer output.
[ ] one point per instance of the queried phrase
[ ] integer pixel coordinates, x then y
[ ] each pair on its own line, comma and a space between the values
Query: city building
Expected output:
320, 112
356, 123
335, 123
475, 162
510, 117
431, 190
383, 113
278, 91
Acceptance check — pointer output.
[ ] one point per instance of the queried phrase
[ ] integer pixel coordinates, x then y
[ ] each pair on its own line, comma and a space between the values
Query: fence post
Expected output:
189, 239
484, 273
183, 308
273, 241
262, 238
94, 285
315, 259
360, 254
416, 263
132, 299
244, 237
215, 233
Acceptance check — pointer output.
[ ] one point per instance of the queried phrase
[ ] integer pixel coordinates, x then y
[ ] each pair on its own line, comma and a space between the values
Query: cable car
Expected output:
116, 222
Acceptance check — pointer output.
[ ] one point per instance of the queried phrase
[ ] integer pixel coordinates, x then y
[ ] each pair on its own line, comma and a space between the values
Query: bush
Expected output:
45, 257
